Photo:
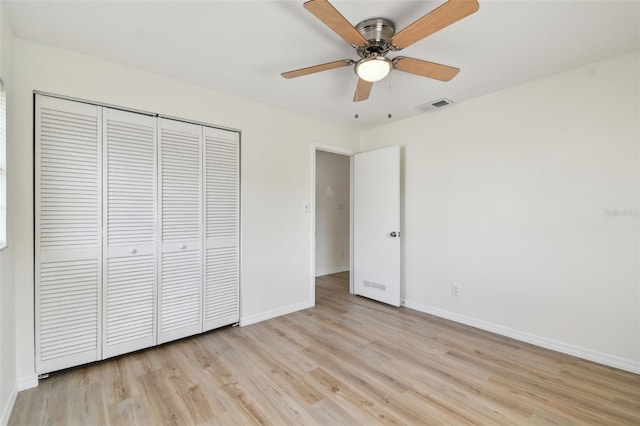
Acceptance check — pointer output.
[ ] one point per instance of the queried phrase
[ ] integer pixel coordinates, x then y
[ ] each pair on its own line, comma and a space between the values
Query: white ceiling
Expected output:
241, 47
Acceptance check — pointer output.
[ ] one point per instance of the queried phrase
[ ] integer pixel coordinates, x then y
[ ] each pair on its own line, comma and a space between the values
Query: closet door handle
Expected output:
133, 250
183, 246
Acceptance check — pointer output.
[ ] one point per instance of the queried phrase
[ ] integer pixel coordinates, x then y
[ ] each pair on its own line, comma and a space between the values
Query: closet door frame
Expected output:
102, 247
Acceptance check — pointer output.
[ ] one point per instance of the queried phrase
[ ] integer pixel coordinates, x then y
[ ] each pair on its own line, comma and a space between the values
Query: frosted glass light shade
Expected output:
373, 68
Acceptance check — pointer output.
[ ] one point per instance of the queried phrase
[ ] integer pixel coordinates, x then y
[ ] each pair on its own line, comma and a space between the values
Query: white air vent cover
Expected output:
375, 285
433, 105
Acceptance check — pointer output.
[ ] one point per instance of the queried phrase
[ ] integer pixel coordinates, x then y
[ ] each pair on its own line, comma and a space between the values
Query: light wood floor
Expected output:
347, 361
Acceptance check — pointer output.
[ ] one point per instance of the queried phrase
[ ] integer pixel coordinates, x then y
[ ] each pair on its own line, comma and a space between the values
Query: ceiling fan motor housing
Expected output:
378, 32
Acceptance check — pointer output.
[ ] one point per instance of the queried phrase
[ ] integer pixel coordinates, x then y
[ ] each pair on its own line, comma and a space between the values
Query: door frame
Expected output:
312, 207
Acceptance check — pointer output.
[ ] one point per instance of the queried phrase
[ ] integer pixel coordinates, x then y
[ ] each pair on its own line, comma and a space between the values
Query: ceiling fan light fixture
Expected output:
373, 68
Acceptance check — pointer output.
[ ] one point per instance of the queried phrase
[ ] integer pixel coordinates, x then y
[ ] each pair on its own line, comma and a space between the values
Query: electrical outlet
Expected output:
455, 289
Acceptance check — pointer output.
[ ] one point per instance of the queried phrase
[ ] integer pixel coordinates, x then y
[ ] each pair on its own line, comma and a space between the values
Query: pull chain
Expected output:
389, 98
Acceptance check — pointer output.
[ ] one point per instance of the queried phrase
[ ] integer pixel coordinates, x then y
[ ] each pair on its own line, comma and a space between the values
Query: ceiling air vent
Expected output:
433, 105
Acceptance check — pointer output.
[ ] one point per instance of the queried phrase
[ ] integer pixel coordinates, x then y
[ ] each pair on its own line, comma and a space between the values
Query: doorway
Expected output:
332, 214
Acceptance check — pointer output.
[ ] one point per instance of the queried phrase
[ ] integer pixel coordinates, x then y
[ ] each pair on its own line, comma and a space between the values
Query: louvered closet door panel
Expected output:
130, 265
68, 233
222, 263
180, 298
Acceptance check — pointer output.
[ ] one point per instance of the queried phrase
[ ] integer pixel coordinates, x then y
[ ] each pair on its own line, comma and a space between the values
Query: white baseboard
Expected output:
556, 345
27, 382
21, 384
263, 316
8, 406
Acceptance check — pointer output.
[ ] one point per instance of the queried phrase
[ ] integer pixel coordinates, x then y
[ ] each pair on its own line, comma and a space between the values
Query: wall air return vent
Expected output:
434, 105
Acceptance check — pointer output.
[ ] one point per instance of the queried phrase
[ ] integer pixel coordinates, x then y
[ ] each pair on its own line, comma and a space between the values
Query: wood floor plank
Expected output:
276, 404
347, 361
287, 376
87, 405
159, 396
129, 411
367, 409
330, 412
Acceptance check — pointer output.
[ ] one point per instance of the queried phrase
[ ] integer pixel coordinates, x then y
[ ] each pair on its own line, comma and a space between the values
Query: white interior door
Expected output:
376, 225
222, 227
68, 233
180, 292
129, 243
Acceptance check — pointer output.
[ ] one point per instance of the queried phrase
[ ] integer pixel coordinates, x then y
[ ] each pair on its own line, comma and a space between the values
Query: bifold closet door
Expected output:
180, 290
222, 227
130, 247
68, 249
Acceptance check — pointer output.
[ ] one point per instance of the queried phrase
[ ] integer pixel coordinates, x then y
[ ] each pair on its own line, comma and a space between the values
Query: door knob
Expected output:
133, 250
394, 234
183, 246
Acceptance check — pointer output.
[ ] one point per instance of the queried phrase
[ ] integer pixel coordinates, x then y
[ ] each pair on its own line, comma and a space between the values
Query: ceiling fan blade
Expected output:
362, 90
425, 68
317, 68
324, 11
445, 15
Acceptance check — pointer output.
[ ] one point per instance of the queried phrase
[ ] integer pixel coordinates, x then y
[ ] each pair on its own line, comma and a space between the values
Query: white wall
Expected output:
8, 384
276, 173
332, 213
527, 198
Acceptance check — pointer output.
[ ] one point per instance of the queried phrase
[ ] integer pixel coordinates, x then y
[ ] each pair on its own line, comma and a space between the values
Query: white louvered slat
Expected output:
222, 193
68, 313
222, 179
69, 161
180, 181
130, 302
130, 172
222, 272
180, 287
180, 294
130, 237
68, 233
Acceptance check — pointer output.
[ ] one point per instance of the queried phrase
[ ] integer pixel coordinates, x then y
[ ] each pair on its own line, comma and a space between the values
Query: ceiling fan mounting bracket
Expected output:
378, 33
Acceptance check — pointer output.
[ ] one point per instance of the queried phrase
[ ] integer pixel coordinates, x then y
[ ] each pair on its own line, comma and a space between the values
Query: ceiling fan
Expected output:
374, 38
